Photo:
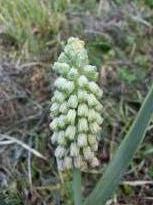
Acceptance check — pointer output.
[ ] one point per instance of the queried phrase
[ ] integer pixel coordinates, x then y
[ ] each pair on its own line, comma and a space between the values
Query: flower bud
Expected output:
70, 118
83, 110
59, 96
82, 125
93, 87
82, 140
61, 68
94, 127
83, 81
82, 58
94, 147
72, 101
60, 152
69, 87
61, 138
99, 108
76, 43
54, 124
62, 121
54, 109
92, 101
82, 96
70, 132
88, 154
99, 119
91, 115
71, 53
60, 83
63, 58
77, 161
90, 72
74, 150
63, 108
73, 74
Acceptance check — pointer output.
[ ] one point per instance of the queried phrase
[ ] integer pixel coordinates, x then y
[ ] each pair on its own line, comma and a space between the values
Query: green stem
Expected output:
77, 187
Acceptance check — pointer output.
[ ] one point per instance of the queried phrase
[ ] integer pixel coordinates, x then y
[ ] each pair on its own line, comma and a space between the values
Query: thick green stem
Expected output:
77, 187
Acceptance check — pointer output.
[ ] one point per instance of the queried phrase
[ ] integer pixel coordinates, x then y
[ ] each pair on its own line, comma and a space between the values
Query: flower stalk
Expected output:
77, 186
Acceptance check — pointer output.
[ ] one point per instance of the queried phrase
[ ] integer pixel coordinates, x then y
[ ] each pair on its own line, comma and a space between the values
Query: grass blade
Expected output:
114, 172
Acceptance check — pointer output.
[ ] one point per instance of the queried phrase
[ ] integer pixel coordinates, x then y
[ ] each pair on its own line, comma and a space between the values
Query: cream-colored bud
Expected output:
91, 115
82, 140
63, 108
61, 138
71, 116
68, 162
54, 137
70, 132
74, 150
83, 81
54, 124
77, 161
99, 119
94, 88
60, 83
72, 101
63, 58
82, 58
94, 127
83, 110
82, 125
59, 96
60, 152
88, 154
92, 139
82, 96
69, 87
92, 101
54, 109
99, 107
94, 147
94, 162
61, 68
76, 43
62, 121
90, 72
73, 74
70, 52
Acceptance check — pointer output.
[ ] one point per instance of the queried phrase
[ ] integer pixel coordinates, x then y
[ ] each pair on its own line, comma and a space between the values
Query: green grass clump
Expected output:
30, 22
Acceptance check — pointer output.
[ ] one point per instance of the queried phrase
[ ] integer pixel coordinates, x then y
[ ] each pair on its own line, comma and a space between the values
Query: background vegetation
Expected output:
119, 40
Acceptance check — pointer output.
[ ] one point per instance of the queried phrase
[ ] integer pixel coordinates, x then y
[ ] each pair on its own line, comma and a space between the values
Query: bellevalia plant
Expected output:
75, 108
76, 113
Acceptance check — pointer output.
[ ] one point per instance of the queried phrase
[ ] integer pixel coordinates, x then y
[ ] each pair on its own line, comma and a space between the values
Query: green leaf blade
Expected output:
114, 172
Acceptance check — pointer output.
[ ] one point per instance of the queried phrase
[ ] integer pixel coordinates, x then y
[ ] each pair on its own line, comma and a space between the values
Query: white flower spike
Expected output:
75, 109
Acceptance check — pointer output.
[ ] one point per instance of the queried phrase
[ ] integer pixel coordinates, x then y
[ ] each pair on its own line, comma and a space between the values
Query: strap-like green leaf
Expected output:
113, 174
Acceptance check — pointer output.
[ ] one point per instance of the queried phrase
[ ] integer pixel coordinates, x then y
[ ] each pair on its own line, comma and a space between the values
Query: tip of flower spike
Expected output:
77, 42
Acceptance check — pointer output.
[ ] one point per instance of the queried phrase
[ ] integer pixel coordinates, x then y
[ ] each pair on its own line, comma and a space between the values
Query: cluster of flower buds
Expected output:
75, 109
